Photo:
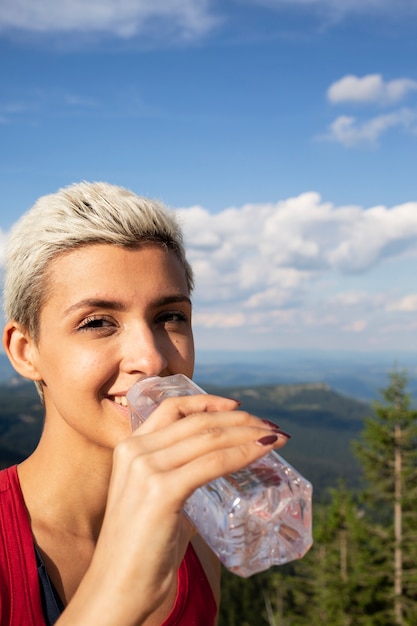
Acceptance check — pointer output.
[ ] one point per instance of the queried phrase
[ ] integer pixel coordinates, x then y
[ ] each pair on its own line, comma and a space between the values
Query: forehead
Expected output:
106, 267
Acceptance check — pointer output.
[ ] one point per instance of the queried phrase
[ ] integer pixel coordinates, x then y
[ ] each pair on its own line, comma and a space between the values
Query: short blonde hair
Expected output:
79, 215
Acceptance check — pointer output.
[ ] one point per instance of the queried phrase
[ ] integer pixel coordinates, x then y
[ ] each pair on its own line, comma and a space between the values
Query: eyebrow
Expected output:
116, 305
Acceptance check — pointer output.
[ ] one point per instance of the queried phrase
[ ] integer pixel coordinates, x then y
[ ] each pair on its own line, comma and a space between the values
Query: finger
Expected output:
216, 440
196, 423
163, 440
197, 435
183, 441
177, 483
173, 409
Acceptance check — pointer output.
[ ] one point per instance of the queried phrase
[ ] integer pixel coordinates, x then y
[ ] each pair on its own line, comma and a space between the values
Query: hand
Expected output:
144, 533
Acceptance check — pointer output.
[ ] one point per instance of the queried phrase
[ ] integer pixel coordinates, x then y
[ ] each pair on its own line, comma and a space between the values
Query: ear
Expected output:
21, 350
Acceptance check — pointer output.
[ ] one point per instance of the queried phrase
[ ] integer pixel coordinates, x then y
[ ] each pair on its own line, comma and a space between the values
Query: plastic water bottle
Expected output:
252, 519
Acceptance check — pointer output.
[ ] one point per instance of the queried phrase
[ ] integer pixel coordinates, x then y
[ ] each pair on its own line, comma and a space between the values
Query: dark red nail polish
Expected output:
238, 402
271, 425
267, 440
283, 433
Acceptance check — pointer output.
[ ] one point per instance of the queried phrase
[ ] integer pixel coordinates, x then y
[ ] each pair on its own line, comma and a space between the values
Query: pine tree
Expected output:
326, 586
335, 591
388, 453
362, 568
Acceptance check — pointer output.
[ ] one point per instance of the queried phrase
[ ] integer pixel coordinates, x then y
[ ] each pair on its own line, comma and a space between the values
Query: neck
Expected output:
65, 486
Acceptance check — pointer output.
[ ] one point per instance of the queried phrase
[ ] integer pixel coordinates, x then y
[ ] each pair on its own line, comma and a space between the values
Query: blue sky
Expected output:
283, 131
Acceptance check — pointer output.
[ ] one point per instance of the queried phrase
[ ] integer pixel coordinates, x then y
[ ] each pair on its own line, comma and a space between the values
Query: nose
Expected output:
142, 354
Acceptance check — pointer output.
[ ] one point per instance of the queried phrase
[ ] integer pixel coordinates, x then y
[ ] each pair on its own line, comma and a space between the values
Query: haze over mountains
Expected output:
355, 374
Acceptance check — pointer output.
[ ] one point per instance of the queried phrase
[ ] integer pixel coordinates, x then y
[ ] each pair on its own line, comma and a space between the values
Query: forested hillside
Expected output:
322, 424
21, 417
361, 569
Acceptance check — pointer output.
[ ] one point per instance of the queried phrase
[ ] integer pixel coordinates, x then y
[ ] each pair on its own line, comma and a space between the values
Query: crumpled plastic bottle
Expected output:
252, 519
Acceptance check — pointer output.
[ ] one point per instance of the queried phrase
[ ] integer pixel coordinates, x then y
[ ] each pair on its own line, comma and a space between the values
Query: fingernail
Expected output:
271, 425
267, 440
238, 402
283, 433
276, 428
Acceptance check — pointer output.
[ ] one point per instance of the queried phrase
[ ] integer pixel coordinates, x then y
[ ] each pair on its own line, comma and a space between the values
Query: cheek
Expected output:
88, 364
184, 356
78, 369
91, 371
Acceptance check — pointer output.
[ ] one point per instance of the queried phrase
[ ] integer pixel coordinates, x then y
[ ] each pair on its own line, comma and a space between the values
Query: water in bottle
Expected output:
253, 518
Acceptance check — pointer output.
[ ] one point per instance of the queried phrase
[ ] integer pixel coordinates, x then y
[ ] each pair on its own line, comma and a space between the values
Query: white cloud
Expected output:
370, 88
264, 255
350, 298
350, 132
332, 10
407, 304
297, 268
357, 326
124, 18
219, 320
163, 19
346, 4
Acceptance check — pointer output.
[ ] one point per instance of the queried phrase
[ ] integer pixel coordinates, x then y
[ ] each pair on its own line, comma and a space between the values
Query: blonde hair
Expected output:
79, 215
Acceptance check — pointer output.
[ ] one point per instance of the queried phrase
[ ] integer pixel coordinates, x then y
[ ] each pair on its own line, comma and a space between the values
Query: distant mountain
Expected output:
357, 374
321, 421
6, 370
21, 418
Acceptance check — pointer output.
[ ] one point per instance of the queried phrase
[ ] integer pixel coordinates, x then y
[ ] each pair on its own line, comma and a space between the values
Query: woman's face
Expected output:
112, 316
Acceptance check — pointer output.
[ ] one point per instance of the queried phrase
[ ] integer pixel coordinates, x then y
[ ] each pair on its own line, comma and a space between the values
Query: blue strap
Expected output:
51, 602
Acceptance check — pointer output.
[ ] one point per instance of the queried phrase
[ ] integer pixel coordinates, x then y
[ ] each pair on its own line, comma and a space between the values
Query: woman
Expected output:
97, 296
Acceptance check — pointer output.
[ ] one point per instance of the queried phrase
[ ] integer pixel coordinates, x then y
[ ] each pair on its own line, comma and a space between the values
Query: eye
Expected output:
96, 322
175, 317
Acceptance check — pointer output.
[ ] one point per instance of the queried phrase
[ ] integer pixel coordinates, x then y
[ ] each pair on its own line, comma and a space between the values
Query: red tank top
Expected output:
20, 597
